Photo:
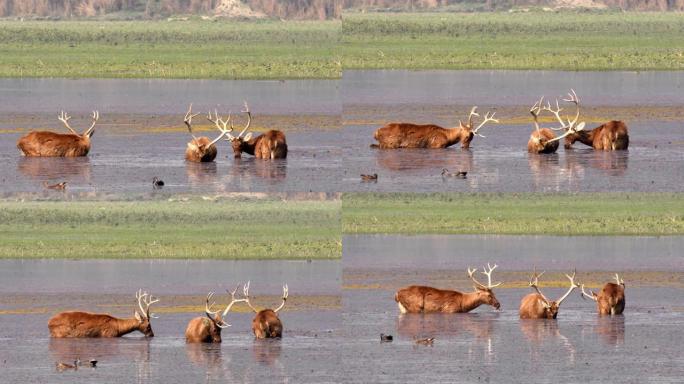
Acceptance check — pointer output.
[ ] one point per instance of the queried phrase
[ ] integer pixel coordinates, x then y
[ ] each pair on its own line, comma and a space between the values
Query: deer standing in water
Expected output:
611, 136
537, 306
266, 324
422, 299
407, 135
543, 140
52, 144
208, 329
201, 149
269, 145
611, 299
85, 324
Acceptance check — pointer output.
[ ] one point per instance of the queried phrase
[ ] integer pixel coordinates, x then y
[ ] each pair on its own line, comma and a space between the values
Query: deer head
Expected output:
202, 145
485, 291
468, 133
88, 133
238, 142
145, 300
572, 128
551, 307
218, 319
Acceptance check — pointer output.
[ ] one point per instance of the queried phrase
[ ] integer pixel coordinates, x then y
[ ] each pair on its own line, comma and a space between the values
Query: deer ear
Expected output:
580, 126
248, 136
192, 146
137, 316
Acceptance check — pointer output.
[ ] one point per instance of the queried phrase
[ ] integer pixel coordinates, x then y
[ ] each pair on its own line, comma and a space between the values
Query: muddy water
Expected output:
500, 161
643, 345
141, 135
31, 294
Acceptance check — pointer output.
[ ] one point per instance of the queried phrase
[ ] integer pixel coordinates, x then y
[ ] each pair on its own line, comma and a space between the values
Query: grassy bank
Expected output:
162, 49
535, 40
585, 214
178, 230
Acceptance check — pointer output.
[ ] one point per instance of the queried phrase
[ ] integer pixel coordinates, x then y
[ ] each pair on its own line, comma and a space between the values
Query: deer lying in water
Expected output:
201, 149
266, 324
85, 324
537, 306
208, 329
611, 299
406, 135
421, 299
269, 145
52, 144
543, 140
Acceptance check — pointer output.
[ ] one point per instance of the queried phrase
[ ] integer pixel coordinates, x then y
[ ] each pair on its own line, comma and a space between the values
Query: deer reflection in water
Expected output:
106, 351
75, 170
422, 159
540, 332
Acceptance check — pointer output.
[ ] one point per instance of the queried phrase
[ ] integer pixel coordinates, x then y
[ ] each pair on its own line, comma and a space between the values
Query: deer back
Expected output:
46, 143
85, 324
202, 330
531, 307
611, 299
538, 141
404, 135
421, 299
266, 324
271, 145
199, 151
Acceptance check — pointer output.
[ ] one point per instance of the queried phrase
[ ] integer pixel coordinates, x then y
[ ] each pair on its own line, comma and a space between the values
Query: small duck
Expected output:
58, 187
428, 341
93, 363
458, 175
373, 177
386, 338
157, 183
64, 366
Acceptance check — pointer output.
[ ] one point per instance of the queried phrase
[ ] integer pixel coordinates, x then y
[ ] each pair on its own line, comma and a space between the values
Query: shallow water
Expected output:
500, 162
305, 354
643, 345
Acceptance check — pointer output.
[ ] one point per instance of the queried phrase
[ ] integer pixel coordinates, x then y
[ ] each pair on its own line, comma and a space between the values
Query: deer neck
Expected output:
586, 137
471, 300
126, 326
248, 146
455, 135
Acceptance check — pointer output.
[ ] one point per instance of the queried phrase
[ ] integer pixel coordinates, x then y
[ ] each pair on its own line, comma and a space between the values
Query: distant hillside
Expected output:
291, 9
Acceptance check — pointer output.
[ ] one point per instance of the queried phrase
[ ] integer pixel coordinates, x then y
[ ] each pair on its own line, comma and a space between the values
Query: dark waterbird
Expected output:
458, 175
386, 338
58, 187
373, 177
157, 183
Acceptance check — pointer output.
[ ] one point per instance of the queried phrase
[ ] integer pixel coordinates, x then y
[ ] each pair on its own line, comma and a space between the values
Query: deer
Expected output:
86, 324
422, 299
407, 135
201, 149
53, 144
208, 329
611, 136
611, 300
543, 140
266, 324
537, 306
269, 145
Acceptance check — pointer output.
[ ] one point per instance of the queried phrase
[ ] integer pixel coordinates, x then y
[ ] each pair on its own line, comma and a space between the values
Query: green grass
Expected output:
162, 49
536, 40
512, 214
176, 230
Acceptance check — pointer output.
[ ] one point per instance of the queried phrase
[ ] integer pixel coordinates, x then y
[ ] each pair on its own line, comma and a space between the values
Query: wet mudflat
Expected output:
307, 352
649, 103
486, 345
141, 135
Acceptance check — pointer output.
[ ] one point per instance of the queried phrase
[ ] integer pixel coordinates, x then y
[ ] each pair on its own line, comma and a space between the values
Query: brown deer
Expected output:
85, 324
201, 149
52, 144
543, 140
269, 145
537, 306
266, 324
208, 329
611, 299
421, 299
611, 136
406, 135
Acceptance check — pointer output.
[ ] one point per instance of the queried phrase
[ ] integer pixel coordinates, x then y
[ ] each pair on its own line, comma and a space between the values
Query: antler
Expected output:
249, 120
619, 280
188, 120
233, 300
245, 291
285, 292
534, 283
487, 118
473, 112
572, 98
95, 117
221, 124
207, 309
590, 295
536, 110
147, 300
486, 272
64, 118
573, 285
